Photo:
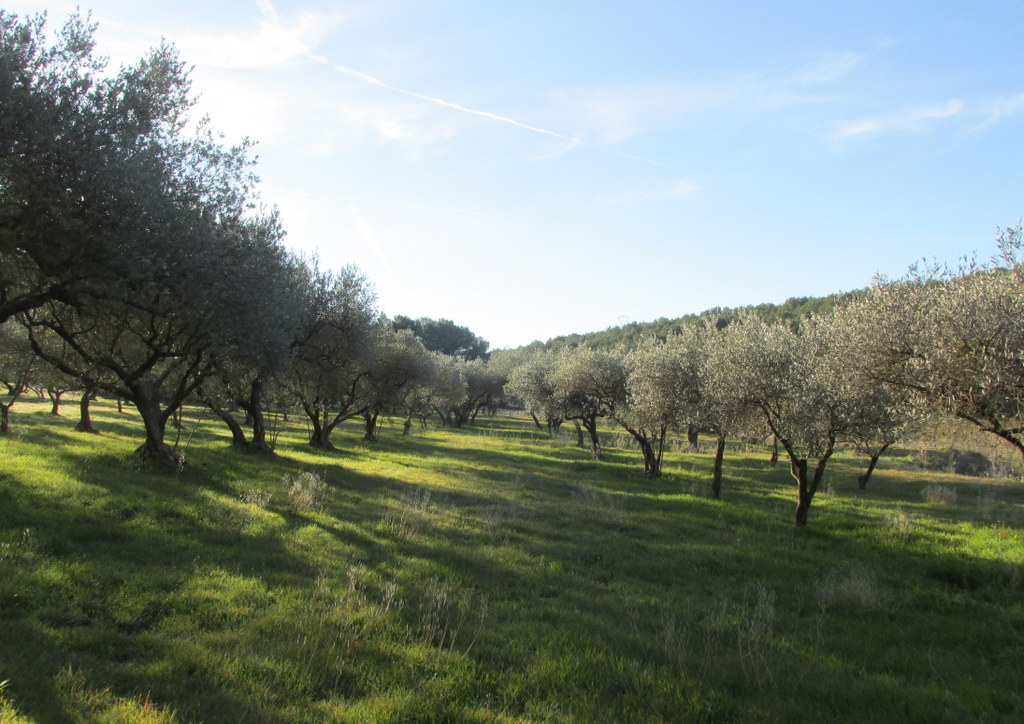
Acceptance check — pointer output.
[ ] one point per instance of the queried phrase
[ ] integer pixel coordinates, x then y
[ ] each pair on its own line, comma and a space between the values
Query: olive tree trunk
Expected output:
862, 479
716, 476
84, 418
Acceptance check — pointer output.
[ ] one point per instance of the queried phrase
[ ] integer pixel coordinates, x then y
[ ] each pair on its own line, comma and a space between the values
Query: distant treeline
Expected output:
630, 334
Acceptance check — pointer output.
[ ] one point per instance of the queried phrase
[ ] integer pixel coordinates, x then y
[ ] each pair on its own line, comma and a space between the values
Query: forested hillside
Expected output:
630, 333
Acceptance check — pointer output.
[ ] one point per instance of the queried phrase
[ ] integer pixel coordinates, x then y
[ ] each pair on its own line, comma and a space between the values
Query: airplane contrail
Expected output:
473, 111
440, 101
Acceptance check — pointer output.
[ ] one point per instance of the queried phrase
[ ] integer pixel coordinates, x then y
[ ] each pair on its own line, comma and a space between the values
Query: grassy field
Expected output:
492, 575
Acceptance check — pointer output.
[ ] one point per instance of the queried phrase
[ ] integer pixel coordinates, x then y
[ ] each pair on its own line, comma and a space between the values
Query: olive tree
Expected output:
123, 227
448, 391
155, 343
417, 398
588, 383
257, 353
953, 338
334, 350
87, 159
402, 364
655, 402
482, 389
784, 376
530, 383
708, 405
880, 413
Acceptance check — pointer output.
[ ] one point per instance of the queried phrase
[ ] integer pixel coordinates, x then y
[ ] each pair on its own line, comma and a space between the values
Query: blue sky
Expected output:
531, 169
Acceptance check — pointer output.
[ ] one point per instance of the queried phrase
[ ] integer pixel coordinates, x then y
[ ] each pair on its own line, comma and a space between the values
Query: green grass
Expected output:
492, 575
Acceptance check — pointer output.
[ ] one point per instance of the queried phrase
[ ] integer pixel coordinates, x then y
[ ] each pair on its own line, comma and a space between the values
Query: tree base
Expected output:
162, 456
252, 448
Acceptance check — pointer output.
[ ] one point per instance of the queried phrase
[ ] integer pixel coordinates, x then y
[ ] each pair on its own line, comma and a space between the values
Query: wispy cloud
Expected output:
830, 68
998, 110
573, 141
279, 42
915, 119
677, 190
615, 113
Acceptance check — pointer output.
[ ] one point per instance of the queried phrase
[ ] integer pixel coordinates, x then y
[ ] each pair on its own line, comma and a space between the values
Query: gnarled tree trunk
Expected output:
238, 438
84, 418
55, 398
154, 449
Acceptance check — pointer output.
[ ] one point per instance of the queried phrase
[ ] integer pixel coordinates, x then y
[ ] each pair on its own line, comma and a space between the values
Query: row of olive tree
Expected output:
940, 342
136, 260
126, 232
748, 379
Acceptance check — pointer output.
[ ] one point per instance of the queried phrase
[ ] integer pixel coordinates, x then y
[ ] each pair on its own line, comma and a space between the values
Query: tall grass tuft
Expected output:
411, 519
755, 634
898, 524
448, 614
944, 495
305, 490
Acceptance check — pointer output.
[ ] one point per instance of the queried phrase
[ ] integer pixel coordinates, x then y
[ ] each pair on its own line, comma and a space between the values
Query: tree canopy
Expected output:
444, 336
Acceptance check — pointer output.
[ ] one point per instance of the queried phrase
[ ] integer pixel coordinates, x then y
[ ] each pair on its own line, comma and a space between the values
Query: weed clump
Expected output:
305, 490
411, 518
940, 495
898, 524
446, 613
257, 497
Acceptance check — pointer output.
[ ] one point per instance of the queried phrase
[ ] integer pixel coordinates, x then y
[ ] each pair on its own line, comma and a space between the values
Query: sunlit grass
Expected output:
492, 574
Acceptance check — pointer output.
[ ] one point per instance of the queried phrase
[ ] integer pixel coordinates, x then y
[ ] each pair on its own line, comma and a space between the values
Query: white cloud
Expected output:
909, 120
314, 115
275, 42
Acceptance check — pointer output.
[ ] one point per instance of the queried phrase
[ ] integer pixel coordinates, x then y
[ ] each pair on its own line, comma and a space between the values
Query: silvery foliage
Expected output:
449, 388
786, 378
589, 382
663, 382
530, 383
953, 337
